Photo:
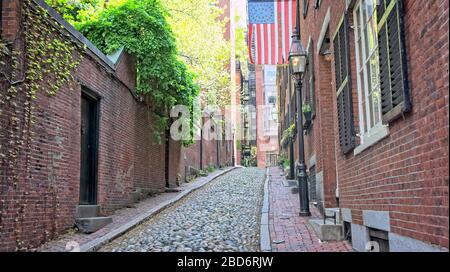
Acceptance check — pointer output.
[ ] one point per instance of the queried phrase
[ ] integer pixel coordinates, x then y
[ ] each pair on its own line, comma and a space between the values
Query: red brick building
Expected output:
377, 148
267, 143
89, 144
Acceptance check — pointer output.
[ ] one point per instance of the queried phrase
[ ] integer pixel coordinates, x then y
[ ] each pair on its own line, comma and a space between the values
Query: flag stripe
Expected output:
269, 42
255, 40
258, 41
280, 35
263, 45
266, 43
273, 47
283, 27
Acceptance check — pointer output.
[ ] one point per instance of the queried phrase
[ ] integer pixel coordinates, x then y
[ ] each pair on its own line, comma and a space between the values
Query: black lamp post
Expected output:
297, 66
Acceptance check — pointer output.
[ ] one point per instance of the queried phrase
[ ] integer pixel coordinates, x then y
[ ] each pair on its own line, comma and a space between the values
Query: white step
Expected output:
92, 224
328, 231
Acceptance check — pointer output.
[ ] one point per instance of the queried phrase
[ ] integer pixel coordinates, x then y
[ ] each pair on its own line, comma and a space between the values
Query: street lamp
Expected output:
297, 66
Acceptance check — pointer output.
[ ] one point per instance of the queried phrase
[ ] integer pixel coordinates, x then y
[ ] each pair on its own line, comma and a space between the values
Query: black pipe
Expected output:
201, 144
291, 144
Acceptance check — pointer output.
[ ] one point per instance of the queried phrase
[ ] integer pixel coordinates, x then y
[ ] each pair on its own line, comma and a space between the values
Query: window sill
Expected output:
376, 135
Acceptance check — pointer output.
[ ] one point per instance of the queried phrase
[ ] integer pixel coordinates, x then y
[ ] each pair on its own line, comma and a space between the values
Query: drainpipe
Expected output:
201, 144
217, 153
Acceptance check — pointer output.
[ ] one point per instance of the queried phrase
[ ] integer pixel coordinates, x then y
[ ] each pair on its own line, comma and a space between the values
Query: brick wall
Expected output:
10, 19
40, 201
407, 172
190, 156
320, 138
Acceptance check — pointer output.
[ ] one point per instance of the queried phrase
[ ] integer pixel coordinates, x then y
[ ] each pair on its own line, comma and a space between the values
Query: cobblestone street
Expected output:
222, 216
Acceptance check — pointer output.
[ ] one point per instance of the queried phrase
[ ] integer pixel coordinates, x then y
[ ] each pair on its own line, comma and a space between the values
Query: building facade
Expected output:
377, 147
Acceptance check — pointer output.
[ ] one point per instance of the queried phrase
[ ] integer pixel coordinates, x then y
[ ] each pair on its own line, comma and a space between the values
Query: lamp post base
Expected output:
305, 214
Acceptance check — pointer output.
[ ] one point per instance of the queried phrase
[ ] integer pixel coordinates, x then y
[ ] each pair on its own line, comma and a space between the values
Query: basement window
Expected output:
348, 231
381, 238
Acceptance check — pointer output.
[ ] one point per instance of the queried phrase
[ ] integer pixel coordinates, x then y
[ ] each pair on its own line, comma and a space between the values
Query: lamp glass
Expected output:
297, 58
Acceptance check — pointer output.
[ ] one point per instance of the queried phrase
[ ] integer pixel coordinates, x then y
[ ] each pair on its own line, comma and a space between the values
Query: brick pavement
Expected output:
293, 232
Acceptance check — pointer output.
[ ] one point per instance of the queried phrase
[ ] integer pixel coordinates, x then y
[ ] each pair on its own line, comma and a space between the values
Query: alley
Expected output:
222, 216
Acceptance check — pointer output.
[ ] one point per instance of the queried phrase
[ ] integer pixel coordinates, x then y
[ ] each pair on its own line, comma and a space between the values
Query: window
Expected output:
272, 100
368, 68
381, 239
383, 87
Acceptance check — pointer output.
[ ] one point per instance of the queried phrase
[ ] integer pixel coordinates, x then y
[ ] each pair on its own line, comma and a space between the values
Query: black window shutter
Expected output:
312, 93
344, 88
395, 97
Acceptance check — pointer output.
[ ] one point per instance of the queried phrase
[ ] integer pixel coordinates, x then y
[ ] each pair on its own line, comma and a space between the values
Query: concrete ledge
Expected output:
346, 215
90, 225
377, 220
398, 243
264, 229
97, 243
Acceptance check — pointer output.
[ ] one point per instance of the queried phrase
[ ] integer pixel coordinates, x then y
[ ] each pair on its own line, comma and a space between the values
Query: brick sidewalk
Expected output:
288, 231
123, 217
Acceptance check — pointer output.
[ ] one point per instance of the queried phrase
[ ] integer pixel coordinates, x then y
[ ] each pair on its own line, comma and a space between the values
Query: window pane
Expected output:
363, 117
375, 68
369, 7
360, 56
376, 106
371, 111
364, 13
366, 42
372, 32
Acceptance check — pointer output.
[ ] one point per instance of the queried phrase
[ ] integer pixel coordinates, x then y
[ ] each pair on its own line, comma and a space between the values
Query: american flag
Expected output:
271, 23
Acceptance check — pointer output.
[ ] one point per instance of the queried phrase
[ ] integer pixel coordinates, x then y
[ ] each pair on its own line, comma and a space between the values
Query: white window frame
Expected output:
375, 132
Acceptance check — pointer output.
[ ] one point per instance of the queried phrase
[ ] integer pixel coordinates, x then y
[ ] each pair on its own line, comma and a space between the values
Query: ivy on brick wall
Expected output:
40, 63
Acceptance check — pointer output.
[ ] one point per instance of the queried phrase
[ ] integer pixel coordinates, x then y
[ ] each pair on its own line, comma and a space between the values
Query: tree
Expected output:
199, 30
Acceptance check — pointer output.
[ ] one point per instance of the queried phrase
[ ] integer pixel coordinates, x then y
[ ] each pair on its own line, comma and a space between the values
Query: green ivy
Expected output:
288, 135
140, 27
46, 65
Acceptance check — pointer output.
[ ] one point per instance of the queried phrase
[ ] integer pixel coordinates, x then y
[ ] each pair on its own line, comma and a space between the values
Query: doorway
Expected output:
89, 149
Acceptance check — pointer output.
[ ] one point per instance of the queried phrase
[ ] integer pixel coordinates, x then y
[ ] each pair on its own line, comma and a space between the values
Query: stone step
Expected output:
332, 212
328, 231
85, 211
92, 224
